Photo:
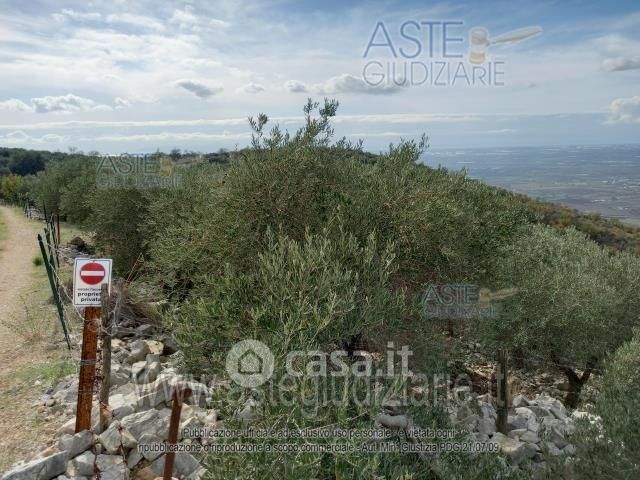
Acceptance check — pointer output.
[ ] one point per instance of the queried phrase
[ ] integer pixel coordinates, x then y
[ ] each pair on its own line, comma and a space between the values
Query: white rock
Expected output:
148, 440
81, 465
555, 435
559, 413
140, 423
155, 393
529, 437
75, 444
553, 450
185, 465
139, 351
525, 412
189, 423
112, 468
133, 458
540, 412
122, 405
486, 426
116, 437
519, 401
68, 428
119, 374
40, 469
515, 434
162, 424
488, 410
514, 450
197, 475
517, 421
155, 347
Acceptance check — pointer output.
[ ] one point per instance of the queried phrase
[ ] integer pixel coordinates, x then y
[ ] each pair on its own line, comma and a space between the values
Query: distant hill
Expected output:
611, 233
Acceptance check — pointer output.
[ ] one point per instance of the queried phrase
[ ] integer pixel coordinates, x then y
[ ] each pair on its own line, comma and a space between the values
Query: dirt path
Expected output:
23, 426
16, 252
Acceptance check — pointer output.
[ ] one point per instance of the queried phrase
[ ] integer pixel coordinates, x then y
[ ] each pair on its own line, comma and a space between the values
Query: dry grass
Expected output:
33, 353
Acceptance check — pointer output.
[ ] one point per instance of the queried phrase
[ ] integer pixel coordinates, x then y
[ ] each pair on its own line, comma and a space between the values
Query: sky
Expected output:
123, 76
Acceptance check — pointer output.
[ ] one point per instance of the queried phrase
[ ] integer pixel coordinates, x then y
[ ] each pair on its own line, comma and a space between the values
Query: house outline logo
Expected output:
249, 363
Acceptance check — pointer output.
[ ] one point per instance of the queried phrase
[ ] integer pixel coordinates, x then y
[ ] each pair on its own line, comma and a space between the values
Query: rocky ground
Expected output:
143, 377
144, 372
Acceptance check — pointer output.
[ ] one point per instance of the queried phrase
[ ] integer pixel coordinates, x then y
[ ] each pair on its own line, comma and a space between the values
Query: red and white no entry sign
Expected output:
92, 273
89, 274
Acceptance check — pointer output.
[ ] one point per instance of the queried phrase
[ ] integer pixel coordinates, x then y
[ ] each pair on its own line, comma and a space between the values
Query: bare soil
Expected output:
27, 344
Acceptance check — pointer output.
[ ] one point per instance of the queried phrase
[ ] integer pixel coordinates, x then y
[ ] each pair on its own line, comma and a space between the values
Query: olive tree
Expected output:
610, 448
575, 301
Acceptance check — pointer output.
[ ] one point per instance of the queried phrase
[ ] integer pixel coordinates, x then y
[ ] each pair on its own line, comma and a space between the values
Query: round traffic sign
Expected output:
92, 273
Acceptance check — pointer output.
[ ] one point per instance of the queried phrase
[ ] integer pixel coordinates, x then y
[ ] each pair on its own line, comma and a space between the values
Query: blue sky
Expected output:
122, 76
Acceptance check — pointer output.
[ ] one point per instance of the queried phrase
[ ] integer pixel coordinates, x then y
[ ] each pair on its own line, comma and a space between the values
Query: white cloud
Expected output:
79, 16
186, 19
217, 23
347, 83
121, 103
620, 64
252, 87
133, 20
502, 131
65, 104
295, 86
54, 104
51, 138
155, 137
15, 105
14, 137
625, 110
198, 88
384, 118
19, 137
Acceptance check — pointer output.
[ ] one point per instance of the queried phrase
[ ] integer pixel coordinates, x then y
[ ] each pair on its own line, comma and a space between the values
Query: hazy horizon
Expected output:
187, 75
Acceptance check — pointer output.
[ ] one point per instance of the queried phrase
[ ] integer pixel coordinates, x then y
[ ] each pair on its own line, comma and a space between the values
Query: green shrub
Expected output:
575, 302
12, 188
65, 187
445, 226
308, 295
116, 220
610, 449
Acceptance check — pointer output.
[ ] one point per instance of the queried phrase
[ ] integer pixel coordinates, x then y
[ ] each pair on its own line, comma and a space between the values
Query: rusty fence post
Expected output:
180, 393
105, 335
502, 392
87, 368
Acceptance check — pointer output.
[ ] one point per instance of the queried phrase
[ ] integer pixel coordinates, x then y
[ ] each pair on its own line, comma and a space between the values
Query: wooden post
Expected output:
87, 368
58, 227
502, 391
106, 358
180, 393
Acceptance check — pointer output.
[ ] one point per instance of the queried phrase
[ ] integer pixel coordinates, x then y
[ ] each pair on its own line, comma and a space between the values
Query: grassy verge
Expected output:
3, 230
48, 373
